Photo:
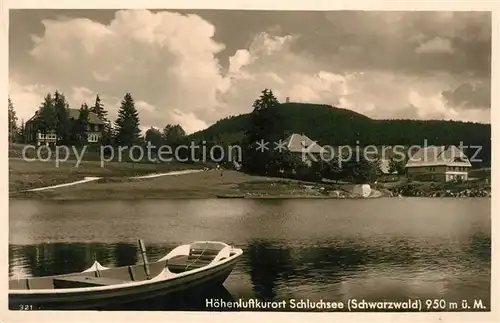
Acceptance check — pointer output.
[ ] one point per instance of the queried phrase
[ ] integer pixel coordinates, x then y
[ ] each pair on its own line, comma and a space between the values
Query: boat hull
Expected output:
102, 299
230, 196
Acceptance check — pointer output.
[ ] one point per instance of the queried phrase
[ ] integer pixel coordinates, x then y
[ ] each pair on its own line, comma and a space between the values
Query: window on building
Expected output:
93, 138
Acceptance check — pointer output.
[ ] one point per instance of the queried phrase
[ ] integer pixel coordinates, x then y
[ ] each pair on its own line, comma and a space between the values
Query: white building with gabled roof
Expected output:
301, 144
438, 163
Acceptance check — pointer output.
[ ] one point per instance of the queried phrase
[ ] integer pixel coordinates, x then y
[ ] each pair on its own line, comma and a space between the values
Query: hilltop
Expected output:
317, 120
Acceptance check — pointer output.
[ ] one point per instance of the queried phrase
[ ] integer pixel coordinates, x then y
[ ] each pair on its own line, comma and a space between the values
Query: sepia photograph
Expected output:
235, 160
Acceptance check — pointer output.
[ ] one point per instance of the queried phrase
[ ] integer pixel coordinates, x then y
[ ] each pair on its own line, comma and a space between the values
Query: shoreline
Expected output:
42, 181
222, 195
130, 199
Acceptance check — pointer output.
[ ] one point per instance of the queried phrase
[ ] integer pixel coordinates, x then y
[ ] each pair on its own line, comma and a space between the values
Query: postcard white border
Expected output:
312, 5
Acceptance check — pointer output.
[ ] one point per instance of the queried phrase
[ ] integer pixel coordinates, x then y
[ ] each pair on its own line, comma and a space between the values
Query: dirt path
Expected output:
85, 180
90, 179
180, 172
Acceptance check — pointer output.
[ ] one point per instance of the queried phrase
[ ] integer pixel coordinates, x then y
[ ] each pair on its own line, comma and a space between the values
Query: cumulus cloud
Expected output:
82, 94
435, 45
238, 60
189, 121
26, 98
470, 95
171, 64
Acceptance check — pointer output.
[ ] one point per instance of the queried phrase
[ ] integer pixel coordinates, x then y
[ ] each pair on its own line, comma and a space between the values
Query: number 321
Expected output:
25, 307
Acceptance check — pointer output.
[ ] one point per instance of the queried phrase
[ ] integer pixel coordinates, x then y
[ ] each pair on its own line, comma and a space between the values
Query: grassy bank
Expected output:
25, 175
116, 182
118, 185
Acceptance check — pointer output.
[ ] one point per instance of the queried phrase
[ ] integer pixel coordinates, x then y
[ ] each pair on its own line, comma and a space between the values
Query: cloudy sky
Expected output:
196, 67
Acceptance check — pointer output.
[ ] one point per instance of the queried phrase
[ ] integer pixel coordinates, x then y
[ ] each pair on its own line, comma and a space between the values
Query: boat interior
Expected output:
197, 258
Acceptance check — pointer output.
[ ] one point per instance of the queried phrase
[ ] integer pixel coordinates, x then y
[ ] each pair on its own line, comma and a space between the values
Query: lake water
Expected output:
334, 250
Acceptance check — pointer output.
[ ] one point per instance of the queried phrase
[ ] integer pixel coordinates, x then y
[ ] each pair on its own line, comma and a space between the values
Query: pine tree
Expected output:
46, 120
12, 121
21, 133
265, 127
99, 110
107, 131
82, 123
127, 124
61, 111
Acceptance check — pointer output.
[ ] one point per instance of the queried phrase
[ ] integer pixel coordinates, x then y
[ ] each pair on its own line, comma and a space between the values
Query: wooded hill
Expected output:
335, 126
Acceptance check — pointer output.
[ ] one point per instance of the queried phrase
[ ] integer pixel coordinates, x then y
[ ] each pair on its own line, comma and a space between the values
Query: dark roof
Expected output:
439, 156
93, 118
74, 114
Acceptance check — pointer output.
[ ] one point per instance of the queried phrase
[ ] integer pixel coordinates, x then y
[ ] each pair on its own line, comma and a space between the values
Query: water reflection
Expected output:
275, 271
330, 250
268, 266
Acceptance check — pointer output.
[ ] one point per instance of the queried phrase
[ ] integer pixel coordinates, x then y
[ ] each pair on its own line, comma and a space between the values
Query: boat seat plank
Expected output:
208, 248
207, 252
182, 263
85, 281
206, 258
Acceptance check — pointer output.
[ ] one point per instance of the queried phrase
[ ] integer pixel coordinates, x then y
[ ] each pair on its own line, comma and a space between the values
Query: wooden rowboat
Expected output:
182, 269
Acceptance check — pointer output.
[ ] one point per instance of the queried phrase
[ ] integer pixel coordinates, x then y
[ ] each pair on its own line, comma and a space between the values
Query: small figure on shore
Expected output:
218, 167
